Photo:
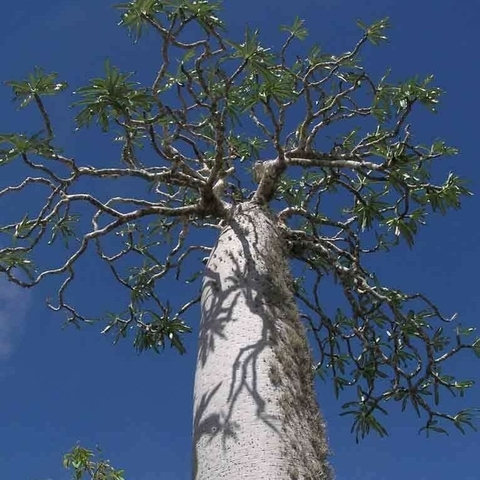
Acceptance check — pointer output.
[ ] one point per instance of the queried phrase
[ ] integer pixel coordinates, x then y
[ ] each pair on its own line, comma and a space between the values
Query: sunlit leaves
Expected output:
476, 347
157, 330
203, 11
250, 48
135, 15
242, 98
440, 148
466, 418
376, 32
391, 100
139, 13
245, 147
84, 466
18, 144
64, 226
350, 140
140, 281
291, 191
369, 211
258, 58
389, 355
23, 228
37, 83
446, 196
403, 227
420, 90
297, 29
112, 96
364, 418
279, 84
16, 259
462, 419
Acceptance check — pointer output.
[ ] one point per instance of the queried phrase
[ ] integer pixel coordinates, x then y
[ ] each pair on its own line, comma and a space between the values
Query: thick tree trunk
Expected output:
255, 413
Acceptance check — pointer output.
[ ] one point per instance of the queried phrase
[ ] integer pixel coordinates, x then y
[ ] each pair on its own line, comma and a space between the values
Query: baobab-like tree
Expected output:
263, 174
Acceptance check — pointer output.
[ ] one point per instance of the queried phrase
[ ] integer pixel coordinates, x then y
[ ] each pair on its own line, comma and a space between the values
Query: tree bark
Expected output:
255, 412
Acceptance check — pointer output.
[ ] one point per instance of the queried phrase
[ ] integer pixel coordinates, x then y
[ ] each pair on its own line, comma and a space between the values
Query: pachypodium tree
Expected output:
303, 165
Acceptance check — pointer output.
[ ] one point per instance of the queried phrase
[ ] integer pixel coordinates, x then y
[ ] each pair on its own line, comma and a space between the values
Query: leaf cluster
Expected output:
83, 464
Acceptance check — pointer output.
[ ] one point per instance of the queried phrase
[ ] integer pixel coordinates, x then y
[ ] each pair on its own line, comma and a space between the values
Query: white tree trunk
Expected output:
255, 413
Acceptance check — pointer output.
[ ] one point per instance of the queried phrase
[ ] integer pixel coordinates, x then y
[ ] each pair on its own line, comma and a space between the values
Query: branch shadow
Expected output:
255, 286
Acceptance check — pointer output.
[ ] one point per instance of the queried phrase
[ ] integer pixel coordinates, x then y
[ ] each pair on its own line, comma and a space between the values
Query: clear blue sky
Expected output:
58, 386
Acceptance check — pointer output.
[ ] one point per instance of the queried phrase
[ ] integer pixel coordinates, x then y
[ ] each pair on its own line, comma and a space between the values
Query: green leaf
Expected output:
448, 195
404, 227
11, 259
375, 32
432, 426
111, 97
37, 83
369, 210
23, 227
279, 84
476, 347
22, 144
64, 225
204, 12
160, 330
82, 461
136, 13
258, 58
297, 29
440, 148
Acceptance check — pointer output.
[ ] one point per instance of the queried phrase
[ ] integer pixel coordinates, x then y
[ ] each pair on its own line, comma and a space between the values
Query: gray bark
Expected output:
255, 413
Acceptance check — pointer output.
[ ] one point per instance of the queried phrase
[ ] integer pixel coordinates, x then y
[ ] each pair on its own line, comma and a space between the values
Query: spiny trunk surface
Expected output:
255, 413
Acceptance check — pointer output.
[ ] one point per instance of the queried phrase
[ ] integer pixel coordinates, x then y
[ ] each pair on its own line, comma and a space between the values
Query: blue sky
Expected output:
59, 386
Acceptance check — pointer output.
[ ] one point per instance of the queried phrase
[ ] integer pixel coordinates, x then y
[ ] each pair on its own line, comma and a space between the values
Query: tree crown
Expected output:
225, 122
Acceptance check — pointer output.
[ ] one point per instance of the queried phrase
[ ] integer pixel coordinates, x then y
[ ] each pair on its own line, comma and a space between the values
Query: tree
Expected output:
84, 465
312, 129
